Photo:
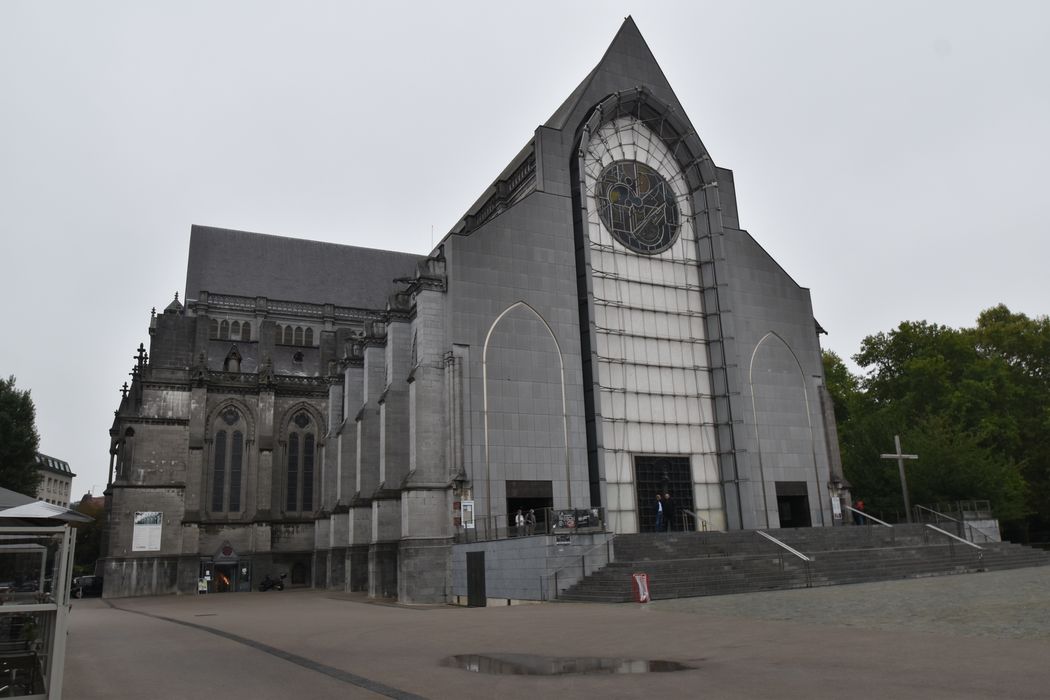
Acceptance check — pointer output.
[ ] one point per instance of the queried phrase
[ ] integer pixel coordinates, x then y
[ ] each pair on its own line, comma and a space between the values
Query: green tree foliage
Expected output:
973, 403
18, 439
89, 535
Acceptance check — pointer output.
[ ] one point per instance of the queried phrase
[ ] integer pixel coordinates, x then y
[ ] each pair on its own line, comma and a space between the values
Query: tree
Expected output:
18, 439
89, 535
973, 403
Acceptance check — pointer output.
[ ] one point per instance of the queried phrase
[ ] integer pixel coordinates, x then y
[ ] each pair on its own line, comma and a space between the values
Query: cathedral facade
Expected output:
595, 330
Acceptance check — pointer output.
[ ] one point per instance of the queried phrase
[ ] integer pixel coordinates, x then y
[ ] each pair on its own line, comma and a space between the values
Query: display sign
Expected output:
836, 506
467, 514
578, 519
146, 535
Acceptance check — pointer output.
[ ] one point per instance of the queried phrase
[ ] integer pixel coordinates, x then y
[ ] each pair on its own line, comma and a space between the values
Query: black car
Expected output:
84, 586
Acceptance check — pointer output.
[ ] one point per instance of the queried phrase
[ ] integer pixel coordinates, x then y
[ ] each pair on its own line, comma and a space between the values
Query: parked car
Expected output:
84, 586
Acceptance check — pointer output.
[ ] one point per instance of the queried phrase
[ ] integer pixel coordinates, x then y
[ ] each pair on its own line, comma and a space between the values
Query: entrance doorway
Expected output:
529, 495
653, 475
476, 594
226, 577
793, 504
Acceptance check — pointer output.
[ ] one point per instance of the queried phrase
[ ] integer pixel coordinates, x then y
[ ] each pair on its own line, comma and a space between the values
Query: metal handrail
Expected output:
777, 542
974, 528
806, 561
954, 537
583, 565
868, 515
701, 524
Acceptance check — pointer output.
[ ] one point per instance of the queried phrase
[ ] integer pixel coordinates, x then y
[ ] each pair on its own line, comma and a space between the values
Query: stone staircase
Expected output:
689, 564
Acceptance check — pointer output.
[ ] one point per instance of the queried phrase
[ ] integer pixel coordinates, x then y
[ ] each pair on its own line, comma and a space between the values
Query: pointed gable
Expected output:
626, 64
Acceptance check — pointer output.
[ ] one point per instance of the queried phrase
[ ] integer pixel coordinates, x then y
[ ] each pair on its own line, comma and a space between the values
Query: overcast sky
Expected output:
892, 156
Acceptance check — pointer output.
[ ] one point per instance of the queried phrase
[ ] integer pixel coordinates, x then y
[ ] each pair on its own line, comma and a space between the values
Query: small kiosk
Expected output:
36, 558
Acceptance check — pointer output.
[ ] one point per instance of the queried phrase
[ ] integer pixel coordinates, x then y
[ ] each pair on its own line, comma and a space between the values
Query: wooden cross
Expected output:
900, 457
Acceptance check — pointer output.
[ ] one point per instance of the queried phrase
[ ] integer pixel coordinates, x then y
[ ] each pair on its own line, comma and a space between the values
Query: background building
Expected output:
56, 480
595, 330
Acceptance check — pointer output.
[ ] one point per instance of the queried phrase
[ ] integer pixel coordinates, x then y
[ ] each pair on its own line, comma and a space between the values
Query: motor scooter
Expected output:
276, 584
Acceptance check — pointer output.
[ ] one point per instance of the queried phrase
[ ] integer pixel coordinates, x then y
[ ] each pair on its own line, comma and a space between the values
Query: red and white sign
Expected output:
641, 587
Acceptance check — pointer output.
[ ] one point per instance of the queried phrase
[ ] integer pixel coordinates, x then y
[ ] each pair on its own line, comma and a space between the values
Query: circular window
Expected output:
637, 206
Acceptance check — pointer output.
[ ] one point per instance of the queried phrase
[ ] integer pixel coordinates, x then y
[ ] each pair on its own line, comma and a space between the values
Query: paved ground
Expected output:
977, 636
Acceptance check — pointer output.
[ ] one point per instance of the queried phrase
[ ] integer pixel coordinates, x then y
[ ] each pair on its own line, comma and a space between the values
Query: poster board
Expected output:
146, 535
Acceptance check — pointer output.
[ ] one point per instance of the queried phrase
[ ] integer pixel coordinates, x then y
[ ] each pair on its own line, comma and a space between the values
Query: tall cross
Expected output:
900, 457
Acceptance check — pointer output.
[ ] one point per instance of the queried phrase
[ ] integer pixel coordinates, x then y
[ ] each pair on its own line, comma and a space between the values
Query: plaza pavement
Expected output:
975, 636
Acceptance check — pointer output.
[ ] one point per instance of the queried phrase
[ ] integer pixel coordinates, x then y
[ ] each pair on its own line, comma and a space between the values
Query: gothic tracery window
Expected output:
227, 464
299, 473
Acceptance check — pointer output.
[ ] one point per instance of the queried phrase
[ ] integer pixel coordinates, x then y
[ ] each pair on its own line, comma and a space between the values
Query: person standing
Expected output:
530, 521
668, 512
659, 513
858, 517
519, 523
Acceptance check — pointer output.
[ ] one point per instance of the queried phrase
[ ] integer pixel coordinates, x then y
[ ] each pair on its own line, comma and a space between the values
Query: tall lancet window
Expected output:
299, 475
227, 464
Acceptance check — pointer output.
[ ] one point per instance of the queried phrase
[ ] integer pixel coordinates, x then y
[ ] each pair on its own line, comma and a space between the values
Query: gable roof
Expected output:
627, 63
225, 261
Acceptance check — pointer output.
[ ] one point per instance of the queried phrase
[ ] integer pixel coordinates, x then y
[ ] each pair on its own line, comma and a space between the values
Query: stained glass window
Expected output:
637, 206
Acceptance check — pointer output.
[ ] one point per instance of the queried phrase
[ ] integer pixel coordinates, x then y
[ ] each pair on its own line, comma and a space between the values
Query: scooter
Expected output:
275, 583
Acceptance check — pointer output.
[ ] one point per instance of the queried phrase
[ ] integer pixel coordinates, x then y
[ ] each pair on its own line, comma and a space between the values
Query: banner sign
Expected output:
578, 519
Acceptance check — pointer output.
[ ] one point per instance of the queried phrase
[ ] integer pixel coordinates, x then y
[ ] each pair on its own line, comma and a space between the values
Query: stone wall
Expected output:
523, 568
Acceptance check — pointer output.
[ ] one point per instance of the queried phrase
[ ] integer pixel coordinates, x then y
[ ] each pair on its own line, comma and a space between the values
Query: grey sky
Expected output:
892, 156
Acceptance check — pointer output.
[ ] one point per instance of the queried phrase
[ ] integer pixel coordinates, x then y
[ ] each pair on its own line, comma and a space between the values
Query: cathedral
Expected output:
596, 329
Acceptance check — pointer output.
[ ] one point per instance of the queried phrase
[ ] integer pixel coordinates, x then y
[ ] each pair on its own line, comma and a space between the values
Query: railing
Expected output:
551, 592
549, 521
974, 508
806, 561
962, 527
868, 516
952, 539
701, 524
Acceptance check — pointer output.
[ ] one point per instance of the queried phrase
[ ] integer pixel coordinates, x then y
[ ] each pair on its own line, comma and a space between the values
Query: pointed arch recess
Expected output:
485, 397
758, 428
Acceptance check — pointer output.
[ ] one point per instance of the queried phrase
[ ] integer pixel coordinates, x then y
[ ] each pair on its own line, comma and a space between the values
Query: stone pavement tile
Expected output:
741, 646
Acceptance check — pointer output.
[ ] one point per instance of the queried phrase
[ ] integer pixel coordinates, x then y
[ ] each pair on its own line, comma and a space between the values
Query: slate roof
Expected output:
53, 465
224, 261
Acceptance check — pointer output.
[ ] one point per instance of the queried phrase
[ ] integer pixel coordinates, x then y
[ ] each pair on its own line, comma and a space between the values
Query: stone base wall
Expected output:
382, 570
523, 568
357, 568
142, 576
425, 571
337, 570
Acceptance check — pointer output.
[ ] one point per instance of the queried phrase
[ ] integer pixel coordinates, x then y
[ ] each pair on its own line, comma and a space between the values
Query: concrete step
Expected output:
683, 564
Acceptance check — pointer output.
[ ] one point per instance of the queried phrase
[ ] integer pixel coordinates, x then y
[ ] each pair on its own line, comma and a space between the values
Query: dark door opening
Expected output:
476, 594
662, 475
793, 504
529, 495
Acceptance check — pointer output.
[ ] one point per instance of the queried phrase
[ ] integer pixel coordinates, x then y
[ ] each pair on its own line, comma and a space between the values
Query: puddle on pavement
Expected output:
529, 665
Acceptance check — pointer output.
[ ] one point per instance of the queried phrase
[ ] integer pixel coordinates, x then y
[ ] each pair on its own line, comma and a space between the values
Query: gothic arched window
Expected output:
227, 466
235, 329
301, 457
308, 339
288, 335
213, 328
224, 330
298, 335
246, 331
